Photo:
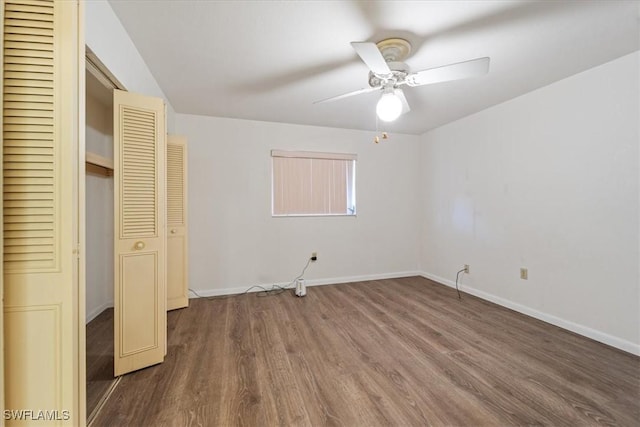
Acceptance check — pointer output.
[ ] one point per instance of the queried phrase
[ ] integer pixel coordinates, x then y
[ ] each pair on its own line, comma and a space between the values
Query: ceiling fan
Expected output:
388, 73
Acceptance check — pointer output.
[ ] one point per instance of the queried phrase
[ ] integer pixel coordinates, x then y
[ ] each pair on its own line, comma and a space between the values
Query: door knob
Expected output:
139, 245
174, 231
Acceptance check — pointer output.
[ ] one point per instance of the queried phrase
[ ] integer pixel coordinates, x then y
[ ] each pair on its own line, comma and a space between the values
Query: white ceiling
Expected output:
269, 60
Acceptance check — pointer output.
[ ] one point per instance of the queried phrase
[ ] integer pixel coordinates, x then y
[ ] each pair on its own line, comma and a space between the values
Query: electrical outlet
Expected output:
314, 256
524, 273
466, 268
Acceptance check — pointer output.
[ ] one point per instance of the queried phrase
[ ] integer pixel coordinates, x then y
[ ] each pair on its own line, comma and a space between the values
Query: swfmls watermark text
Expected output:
36, 415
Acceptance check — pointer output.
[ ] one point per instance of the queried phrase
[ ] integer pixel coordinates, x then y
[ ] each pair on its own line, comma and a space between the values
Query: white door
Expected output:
140, 326
43, 299
177, 258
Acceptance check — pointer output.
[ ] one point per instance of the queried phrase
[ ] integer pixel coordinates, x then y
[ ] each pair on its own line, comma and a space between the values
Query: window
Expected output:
306, 183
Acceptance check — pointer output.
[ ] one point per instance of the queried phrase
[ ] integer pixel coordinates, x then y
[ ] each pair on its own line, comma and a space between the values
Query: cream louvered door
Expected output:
139, 188
43, 338
177, 258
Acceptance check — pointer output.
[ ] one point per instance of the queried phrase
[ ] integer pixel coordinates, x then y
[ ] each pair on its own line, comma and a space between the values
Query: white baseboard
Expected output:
94, 313
309, 282
594, 334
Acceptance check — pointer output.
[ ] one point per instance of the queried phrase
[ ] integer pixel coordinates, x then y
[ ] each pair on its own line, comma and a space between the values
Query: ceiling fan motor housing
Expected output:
399, 72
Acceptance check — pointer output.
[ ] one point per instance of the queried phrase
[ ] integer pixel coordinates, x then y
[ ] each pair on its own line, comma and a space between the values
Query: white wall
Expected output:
107, 38
547, 181
234, 241
99, 212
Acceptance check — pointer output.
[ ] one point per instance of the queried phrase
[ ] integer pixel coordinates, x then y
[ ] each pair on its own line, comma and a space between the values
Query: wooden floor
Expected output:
390, 352
99, 358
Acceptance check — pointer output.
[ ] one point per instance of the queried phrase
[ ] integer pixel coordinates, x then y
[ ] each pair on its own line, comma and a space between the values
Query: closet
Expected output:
99, 213
52, 201
136, 231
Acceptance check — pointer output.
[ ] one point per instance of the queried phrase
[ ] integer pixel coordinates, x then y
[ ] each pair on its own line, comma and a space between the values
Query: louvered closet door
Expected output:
139, 188
177, 258
40, 97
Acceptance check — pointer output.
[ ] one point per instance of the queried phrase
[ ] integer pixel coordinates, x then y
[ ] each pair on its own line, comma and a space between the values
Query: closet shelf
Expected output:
99, 165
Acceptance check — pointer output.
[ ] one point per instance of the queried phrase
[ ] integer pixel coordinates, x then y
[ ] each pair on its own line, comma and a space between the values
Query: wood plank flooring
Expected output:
400, 352
99, 358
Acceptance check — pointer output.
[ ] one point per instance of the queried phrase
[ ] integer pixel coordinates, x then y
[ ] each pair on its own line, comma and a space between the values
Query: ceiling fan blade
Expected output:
403, 99
371, 56
461, 70
346, 95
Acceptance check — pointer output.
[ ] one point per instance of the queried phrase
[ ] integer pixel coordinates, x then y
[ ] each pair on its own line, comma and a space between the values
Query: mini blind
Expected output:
312, 183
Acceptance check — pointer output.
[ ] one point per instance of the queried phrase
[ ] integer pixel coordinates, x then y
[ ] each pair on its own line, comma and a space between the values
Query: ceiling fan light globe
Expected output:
389, 107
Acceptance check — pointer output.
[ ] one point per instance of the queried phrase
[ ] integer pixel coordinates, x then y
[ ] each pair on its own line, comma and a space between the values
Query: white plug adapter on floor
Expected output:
301, 288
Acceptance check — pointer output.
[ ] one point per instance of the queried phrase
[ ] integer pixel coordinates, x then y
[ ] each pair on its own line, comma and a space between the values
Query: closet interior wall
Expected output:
99, 201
